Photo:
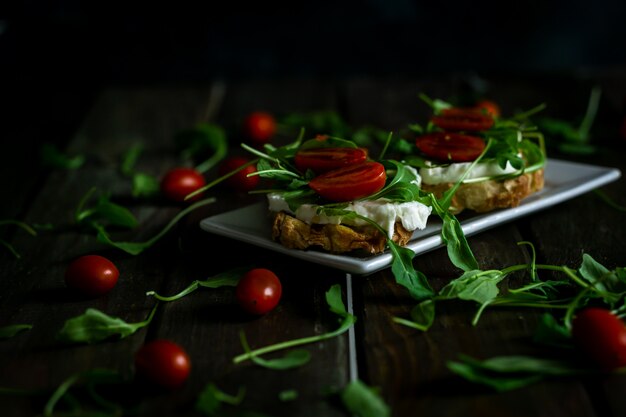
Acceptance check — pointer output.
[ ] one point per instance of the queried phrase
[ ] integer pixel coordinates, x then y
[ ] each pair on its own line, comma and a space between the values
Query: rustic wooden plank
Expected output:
208, 322
33, 286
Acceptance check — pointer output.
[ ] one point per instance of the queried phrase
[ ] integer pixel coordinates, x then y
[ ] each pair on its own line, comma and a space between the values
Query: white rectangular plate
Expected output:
563, 180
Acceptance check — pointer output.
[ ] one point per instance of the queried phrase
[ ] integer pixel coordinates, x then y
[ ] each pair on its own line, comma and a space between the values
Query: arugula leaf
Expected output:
422, 316
211, 398
95, 326
335, 304
507, 373
104, 211
288, 395
135, 248
292, 359
30, 230
145, 185
129, 159
459, 250
228, 278
204, 138
549, 332
9, 331
91, 377
402, 268
479, 286
361, 400
54, 158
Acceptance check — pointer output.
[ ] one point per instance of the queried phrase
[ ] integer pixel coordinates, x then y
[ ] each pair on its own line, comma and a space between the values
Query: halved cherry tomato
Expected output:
602, 336
488, 106
91, 275
351, 182
179, 182
240, 180
322, 160
450, 147
462, 119
163, 363
259, 291
259, 127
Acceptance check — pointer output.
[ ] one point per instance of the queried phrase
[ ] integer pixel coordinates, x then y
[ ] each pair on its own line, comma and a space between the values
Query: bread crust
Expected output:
293, 233
489, 195
480, 197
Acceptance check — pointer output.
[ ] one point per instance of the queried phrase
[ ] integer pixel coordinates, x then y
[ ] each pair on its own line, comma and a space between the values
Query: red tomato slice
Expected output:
351, 182
450, 147
472, 120
321, 160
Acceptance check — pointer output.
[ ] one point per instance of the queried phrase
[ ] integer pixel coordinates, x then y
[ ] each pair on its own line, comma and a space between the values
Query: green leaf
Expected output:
8, 332
129, 159
288, 395
95, 326
363, 401
479, 286
211, 398
594, 272
53, 158
91, 377
422, 316
506, 373
205, 138
229, 278
104, 211
135, 248
145, 185
459, 251
333, 298
549, 332
402, 268
292, 359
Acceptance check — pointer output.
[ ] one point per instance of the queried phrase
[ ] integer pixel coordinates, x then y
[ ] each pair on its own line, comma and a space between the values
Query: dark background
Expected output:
56, 55
82, 43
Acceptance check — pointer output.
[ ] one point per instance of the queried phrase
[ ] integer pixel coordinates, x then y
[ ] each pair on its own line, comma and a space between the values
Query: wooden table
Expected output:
407, 366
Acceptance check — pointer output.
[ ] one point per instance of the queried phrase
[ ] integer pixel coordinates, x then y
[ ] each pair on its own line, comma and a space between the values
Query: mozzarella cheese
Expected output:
413, 215
452, 173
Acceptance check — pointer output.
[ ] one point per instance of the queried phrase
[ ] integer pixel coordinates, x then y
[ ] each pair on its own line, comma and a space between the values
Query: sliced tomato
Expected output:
351, 182
321, 160
450, 146
472, 120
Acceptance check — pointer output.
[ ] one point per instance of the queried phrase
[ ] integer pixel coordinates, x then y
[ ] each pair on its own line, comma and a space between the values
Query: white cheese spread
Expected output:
452, 173
413, 215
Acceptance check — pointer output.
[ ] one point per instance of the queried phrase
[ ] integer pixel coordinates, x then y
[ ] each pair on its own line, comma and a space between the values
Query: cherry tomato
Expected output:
240, 180
259, 291
259, 127
180, 182
488, 106
462, 119
602, 336
163, 363
91, 275
321, 160
450, 147
351, 182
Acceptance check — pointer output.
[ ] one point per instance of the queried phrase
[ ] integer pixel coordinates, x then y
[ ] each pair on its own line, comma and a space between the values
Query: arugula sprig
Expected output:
591, 283
335, 304
105, 214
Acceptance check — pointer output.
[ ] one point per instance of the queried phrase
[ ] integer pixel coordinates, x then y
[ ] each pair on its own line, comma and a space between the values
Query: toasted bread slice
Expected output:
335, 238
489, 195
